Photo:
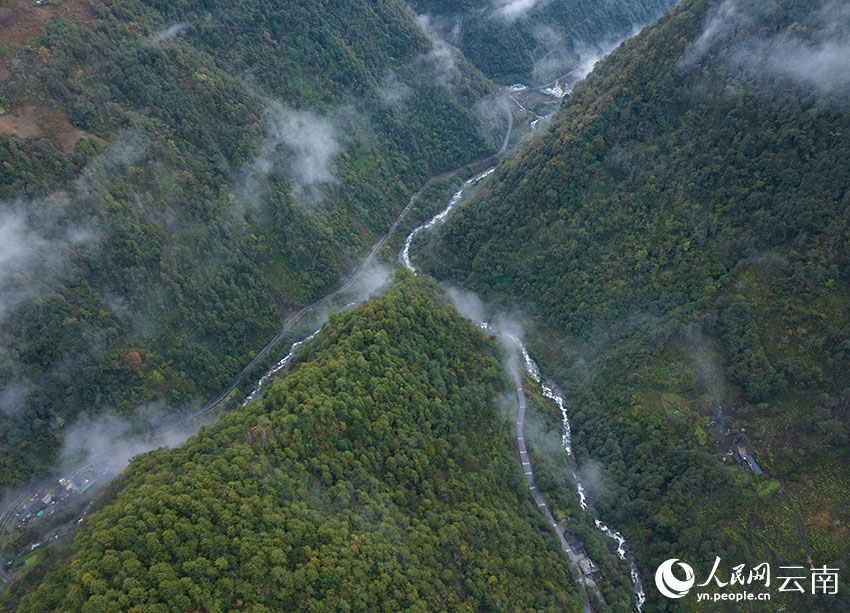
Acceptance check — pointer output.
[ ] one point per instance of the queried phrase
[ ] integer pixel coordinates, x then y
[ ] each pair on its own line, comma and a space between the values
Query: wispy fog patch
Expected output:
36, 242
252, 185
546, 35
509, 327
553, 62
490, 113
813, 51
579, 58
116, 439
125, 151
116, 304
720, 21
40, 239
591, 477
545, 437
371, 283
455, 33
34, 251
589, 55
511, 10
468, 304
304, 143
507, 404
441, 57
12, 398
310, 142
825, 67
169, 32
393, 92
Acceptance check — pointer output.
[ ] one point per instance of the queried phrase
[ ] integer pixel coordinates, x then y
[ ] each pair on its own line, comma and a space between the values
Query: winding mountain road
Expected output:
355, 276
10, 508
529, 477
5, 520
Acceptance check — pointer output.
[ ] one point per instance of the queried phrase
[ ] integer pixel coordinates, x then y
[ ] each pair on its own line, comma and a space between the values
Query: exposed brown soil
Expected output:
21, 124
34, 121
20, 22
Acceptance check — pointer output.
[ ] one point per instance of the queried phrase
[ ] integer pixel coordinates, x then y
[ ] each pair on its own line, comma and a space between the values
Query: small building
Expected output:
754, 465
87, 485
589, 569
517, 87
575, 542
556, 91
47, 498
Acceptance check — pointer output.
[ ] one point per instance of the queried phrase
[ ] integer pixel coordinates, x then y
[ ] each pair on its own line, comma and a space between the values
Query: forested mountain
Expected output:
680, 235
536, 41
177, 177
375, 476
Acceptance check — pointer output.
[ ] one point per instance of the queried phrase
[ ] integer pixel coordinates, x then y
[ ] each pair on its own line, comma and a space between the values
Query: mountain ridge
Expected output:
679, 236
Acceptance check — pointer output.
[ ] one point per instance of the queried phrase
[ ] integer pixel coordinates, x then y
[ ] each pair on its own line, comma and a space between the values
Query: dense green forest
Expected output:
178, 177
535, 41
680, 237
375, 476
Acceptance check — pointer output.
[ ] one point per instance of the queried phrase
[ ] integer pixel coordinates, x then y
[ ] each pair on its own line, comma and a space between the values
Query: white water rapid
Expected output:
439, 217
550, 390
277, 368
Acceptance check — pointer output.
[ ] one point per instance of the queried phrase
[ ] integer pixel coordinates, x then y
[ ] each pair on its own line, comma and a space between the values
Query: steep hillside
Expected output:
177, 177
375, 475
535, 41
680, 235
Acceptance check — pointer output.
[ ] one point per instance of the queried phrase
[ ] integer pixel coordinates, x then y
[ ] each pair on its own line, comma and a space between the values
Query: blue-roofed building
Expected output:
754, 465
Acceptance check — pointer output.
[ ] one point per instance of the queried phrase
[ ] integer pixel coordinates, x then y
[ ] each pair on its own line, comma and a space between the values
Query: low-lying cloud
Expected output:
511, 10
116, 439
169, 32
441, 57
37, 243
305, 143
33, 253
705, 358
719, 22
12, 398
825, 67
820, 63
590, 55
577, 56
311, 142
393, 92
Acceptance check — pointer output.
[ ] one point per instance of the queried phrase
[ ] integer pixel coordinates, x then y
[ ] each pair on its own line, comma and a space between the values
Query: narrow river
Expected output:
144, 443
549, 390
